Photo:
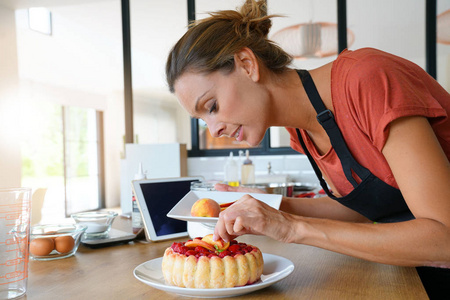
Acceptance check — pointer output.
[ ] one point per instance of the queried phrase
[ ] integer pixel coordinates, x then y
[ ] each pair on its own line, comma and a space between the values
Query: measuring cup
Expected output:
15, 206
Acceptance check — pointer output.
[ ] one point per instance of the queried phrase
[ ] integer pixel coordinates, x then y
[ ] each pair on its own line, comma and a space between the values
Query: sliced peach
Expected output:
201, 243
219, 245
224, 205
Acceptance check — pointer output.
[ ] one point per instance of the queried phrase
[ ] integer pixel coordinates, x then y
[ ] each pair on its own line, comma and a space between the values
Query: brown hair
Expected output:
210, 44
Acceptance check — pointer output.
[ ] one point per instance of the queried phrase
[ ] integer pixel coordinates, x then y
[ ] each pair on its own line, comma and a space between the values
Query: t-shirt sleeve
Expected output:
294, 143
381, 90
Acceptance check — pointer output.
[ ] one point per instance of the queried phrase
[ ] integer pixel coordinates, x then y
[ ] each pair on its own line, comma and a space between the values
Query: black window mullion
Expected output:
430, 37
342, 24
127, 74
195, 142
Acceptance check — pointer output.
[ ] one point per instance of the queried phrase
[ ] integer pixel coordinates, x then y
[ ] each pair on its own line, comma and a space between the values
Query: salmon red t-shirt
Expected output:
369, 90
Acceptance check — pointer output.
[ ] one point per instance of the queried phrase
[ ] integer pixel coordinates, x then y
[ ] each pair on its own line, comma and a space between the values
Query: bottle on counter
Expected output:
247, 170
231, 171
136, 218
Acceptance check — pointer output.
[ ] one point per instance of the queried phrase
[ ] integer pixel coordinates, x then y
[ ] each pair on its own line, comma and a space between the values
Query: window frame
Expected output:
264, 149
101, 202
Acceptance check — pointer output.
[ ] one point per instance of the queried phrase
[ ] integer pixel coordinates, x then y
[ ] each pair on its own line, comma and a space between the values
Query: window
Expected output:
70, 83
402, 31
155, 26
82, 144
277, 139
348, 24
60, 152
40, 20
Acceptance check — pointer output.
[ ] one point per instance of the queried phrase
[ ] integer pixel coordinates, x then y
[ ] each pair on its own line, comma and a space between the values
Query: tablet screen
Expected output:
159, 198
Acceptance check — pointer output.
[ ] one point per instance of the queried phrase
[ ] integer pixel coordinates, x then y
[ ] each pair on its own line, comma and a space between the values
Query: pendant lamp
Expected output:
310, 40
443, 28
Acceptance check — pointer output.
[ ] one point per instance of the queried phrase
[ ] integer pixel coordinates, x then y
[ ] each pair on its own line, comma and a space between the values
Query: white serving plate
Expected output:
276, 268
182, 210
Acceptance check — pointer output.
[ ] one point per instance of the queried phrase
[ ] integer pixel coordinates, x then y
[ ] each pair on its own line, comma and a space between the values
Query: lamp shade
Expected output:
308, 40
443, 27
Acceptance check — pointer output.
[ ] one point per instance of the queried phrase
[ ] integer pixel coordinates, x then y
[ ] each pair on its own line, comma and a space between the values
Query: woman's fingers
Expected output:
221, 231
239, 218
249, 215
229, 227
224, 227
238, 225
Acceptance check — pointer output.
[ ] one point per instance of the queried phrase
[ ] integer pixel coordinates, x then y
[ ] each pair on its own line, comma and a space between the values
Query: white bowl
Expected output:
98, 223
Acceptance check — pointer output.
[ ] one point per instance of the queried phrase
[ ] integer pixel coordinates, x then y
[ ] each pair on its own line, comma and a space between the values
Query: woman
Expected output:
375, 125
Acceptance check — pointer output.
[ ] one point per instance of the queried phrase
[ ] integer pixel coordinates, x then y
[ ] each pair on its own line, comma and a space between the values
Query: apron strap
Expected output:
326, 119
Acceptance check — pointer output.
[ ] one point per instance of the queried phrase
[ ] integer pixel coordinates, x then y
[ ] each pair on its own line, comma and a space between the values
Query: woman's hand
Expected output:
222, 187
251, 216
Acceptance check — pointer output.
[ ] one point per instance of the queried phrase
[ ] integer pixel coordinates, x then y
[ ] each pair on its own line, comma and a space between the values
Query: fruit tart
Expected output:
207, 264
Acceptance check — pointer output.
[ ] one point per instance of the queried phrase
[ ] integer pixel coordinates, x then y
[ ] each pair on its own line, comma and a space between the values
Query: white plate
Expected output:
182, 210
276, 268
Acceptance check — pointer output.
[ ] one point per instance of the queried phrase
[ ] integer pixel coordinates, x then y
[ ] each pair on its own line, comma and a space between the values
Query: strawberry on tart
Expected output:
206, 264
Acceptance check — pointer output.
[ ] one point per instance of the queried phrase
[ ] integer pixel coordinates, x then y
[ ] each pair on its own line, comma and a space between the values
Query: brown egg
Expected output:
41, 246
51, 233
64, 244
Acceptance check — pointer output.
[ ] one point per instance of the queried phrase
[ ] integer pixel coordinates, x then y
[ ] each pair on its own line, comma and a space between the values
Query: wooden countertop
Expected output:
107, 273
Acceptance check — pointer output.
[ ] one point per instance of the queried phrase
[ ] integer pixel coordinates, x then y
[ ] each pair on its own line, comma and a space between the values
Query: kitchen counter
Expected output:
107, 273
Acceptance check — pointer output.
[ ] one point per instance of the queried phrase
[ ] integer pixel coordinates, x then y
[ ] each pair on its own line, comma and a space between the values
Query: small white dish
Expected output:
182, 210
98, 223
276, 268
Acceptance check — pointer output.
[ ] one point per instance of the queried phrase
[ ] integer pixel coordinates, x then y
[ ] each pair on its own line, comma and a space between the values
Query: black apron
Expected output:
371, 197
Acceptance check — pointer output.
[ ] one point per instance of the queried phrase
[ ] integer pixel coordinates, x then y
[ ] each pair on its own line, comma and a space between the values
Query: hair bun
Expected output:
254, 18
211, 43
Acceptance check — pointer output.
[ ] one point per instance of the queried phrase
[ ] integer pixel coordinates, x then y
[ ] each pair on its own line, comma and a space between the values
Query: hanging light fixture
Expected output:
310, 40
443, 28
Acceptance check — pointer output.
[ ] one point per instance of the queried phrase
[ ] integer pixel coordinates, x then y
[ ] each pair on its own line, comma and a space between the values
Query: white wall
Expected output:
84, 51
10, 159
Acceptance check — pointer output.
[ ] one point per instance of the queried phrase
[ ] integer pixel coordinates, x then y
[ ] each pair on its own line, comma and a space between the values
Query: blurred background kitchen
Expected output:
78, 111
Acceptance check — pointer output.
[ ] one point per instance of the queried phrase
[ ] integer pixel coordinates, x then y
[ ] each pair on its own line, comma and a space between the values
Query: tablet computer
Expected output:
155, 198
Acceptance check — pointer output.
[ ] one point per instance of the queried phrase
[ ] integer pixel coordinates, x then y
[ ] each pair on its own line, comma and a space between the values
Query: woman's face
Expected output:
231, 105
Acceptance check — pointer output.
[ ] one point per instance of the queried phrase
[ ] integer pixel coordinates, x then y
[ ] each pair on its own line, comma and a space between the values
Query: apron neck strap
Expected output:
326, 118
